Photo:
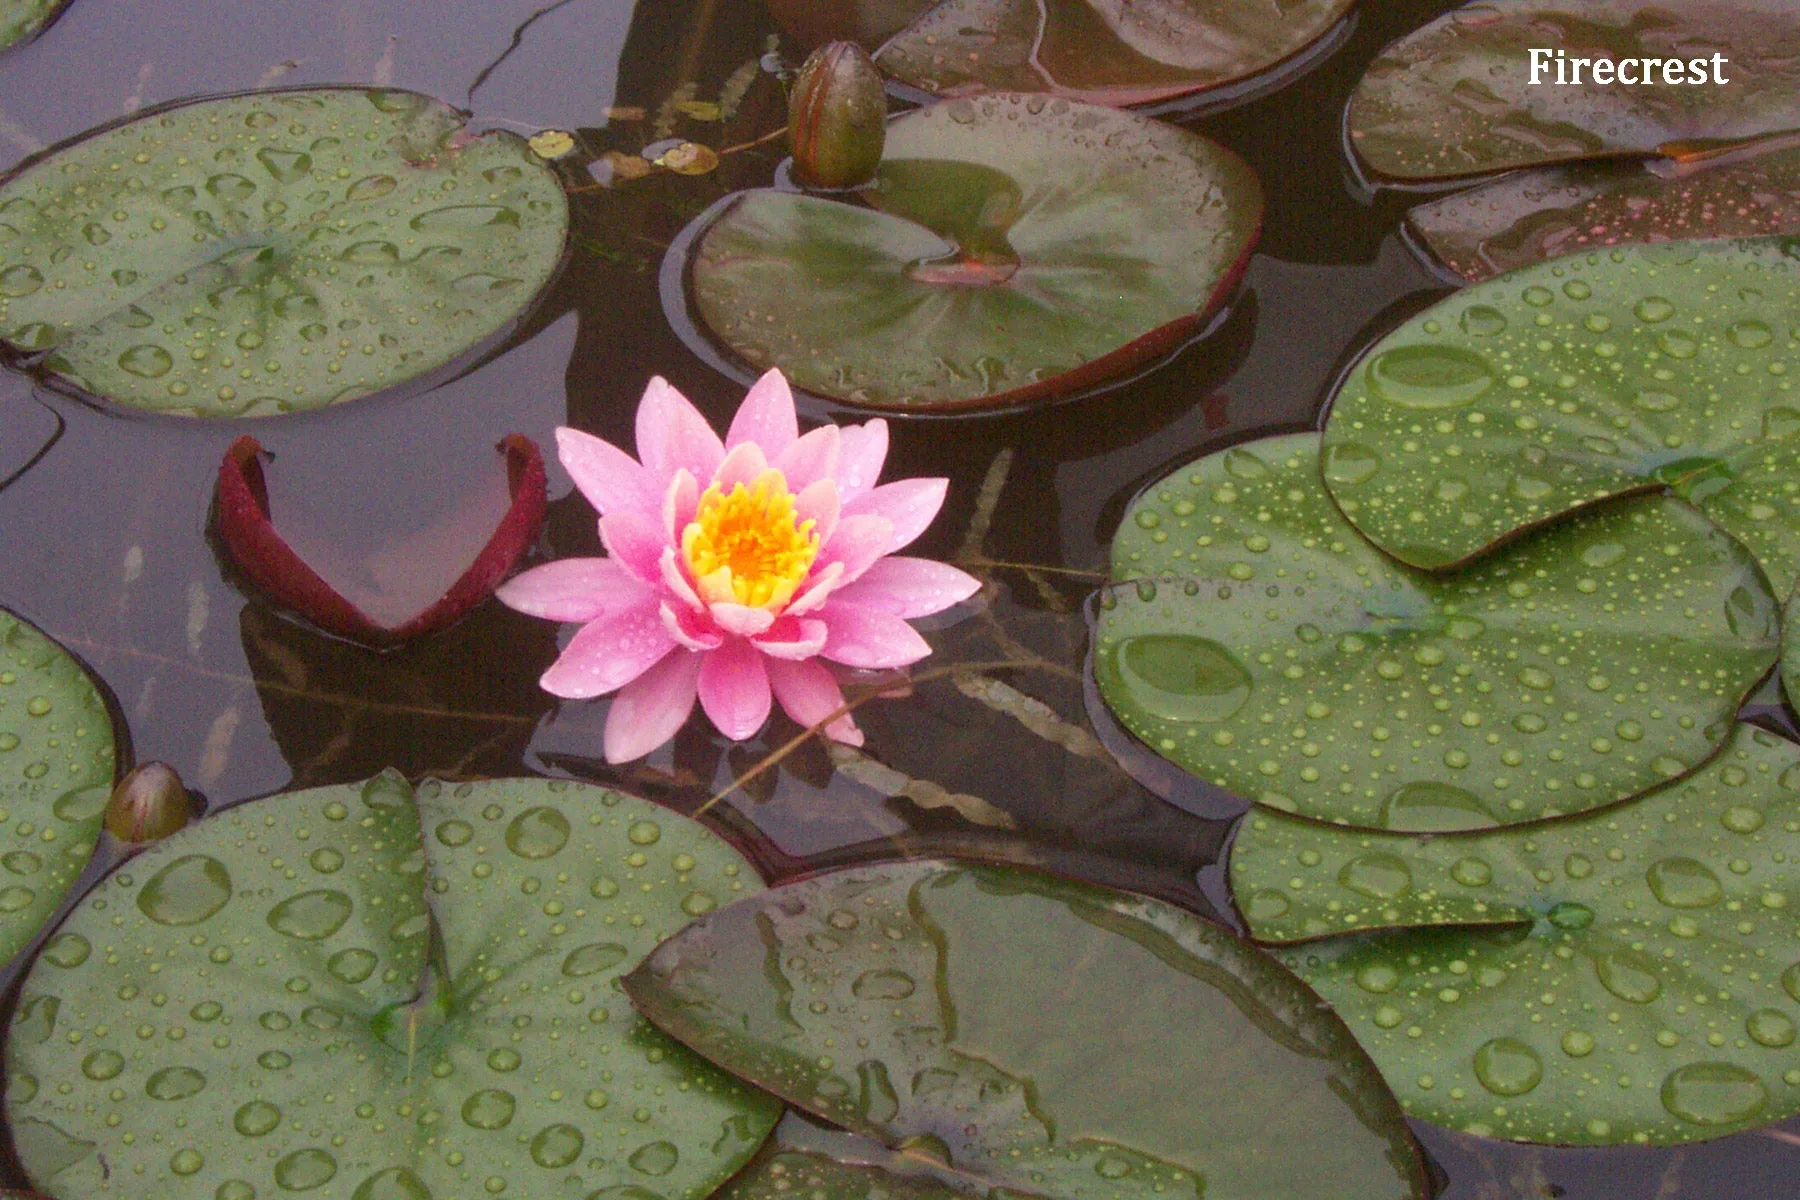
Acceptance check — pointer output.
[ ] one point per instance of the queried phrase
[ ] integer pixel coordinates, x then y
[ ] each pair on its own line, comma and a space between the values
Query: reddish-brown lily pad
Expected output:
1456, 97
1529, 216
866, 22
425, 582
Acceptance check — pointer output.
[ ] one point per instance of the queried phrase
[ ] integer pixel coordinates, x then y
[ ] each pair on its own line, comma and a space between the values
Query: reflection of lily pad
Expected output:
22, 20
1528, 216
1103, 51
1623, 976
1515, 401
1283, 657
342, 986
1017, 247
1456, 97
56, 774
273, 251
1034, 1035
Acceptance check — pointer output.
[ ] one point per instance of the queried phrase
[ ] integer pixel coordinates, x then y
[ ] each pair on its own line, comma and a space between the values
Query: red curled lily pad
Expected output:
387, 586
1455, 97
1013, 247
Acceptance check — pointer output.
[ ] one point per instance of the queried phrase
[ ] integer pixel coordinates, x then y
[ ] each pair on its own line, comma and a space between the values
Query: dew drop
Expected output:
592, 959
1508, 1067
395, 1183
1481, 320
1350, 463
256, 1118
1427, 807
1628, 975
1429, 377
311, 916
655, 1158
537, 833
146, 361
883, 985
556, 1146
1379, 876
174, 1083
490, 1108
1714, 1093
1181, 678
1770, 1027
304, 1170
186, 892
1684, 883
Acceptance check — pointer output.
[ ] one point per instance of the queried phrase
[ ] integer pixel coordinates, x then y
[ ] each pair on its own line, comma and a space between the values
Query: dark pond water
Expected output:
103, 533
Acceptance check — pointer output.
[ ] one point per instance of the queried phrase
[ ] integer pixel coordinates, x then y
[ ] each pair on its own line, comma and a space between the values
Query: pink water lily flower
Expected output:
734, 567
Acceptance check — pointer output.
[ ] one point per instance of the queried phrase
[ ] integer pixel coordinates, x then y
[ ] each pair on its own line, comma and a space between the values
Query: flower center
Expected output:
748, 546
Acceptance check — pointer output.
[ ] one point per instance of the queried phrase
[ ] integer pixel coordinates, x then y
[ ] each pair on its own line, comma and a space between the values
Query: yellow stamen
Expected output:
749, 546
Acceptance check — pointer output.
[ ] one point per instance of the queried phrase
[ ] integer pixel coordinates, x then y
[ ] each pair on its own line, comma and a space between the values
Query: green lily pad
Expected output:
22, 20
1102, 51
56, 775
1270, 649
1528, 216
821, 1177
1590, 376
1790, 651
1456, 98
1014, 247
363, 996
273, 251
1033, 1035
1622, 976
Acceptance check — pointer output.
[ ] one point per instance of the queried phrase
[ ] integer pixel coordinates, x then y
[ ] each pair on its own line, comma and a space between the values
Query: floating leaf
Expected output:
552, 143
399, 999
1597, 375
1456, 97
56, 775
1019, 247
788, 1173
422, 585
1102, 51
1283, 657
1033, 1035
22, 20
273, 251
1623, 976
1790, 651
1528, 216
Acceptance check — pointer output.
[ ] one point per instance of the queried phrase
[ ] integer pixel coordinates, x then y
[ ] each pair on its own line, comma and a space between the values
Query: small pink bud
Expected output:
148, 805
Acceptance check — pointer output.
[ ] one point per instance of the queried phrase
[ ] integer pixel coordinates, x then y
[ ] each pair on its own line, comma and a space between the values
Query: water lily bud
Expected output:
148, 805
837, 117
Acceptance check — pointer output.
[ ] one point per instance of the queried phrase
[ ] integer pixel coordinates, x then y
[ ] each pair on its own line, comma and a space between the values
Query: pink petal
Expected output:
734, 689
910, 504
650, 711
811, 459
862, 449
857, 544
766, 417
676, 580
910, 587
608, 654
680, 504
673, 436
866, 638
574, 589
791, 639
823, 583
691, 630
611, 479
742, 465
809, 694
742, 619
636, 542
818, 503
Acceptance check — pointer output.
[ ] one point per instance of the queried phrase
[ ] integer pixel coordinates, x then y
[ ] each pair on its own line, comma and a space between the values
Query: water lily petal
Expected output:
635, 541
574, 589
672, 435
910, 504
811, 459
675, 579
869, 639
818, 503
734, 689
792, 639
766, 416
808, 693
652, 709
824, 582
857, 543
910, 587
680, 504
611, 479
862, 451
608, 654
741, 619
742, 465
691, 630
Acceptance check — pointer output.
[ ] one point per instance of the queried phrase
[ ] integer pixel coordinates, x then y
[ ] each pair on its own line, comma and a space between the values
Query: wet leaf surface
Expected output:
56, 774
339, 242
1790, 651
821, 1177
346, 991
1456, 98
1623, 976
1528, 216
1270, 649
1102, 51
1014, 248
22, 20
1589, 376
962, 1013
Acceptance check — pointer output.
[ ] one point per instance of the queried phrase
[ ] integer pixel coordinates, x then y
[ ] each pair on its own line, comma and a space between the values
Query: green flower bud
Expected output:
148, 805
837, 117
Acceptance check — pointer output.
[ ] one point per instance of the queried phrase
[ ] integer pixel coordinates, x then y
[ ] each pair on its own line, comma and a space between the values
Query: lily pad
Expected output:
22, 20
1790, 651
355, 993
1456, 97
1528, 216
56, 775
1014, 247
1590, 376
1033, 1035
1270, 649
786, 1173
1622, 976
273, 251
1115, 52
